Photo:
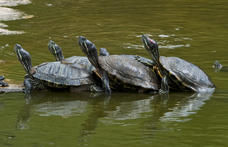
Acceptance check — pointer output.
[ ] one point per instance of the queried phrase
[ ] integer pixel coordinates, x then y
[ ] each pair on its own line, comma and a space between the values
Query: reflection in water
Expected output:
156, 110
177, 109
185, 107
7, 14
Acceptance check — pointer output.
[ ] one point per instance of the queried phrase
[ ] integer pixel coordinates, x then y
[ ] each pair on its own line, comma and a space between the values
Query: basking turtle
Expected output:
2, 83
120, 72
55, 75
180, 73
143, 60
58, 54
219, 67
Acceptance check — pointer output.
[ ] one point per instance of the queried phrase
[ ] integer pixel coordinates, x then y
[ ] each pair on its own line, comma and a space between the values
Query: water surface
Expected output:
192, 30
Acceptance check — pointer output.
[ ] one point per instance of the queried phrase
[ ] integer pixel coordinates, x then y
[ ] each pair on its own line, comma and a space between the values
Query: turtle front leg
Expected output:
32, 84
147, 62
105, 81
164, 86
28, 85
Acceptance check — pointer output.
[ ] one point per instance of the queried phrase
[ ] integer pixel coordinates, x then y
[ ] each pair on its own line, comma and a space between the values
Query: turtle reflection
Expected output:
153, 111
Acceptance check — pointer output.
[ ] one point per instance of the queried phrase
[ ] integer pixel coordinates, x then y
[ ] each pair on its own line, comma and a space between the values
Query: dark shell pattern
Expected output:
128, 73
56, 74
188, 74
83, 61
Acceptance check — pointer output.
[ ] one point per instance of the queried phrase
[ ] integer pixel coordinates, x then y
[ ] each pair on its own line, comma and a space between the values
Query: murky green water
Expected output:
192, 30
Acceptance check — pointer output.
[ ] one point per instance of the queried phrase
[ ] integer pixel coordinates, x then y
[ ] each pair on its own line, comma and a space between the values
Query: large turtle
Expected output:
120, 72
180, 74
55, 75
2, 83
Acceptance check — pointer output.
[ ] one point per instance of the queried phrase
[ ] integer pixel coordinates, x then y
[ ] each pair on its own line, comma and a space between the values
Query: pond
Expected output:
195, 31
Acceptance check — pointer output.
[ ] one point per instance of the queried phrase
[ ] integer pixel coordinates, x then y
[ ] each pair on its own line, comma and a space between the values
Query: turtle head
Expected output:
90, 50
217, 66
55, 50
24, 57
104, 52
152, 47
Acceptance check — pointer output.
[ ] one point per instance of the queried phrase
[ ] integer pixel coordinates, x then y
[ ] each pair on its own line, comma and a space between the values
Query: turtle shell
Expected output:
58, 75
187, 75
81, 61
128, 74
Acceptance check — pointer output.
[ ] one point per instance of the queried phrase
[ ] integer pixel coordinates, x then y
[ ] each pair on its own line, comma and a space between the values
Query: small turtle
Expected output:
219, 67
58, 54
180, 73
2, 83
55, 75
120, 72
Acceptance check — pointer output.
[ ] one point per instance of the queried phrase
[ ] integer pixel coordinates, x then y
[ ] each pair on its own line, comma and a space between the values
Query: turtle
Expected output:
55, 75
84, 62
2, 83
181, 74
58, 54
119, 72
219, 67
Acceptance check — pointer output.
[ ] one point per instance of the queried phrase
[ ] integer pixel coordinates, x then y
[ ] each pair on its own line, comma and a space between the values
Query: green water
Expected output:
192, 30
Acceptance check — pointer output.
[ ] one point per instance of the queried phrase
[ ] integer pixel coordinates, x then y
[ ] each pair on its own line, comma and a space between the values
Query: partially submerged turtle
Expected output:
2, 83
219, 67
55, 75
180, 73
2, 61
120, 72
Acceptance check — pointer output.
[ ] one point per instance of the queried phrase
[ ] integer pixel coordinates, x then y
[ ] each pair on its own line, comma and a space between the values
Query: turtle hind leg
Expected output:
164, 86
95, 88
87, 88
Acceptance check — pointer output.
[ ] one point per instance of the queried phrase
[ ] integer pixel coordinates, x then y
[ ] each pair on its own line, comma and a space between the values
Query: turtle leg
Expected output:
105, 82
147, 62
28, 85
88, 88
164, 86
95, 88
31, 84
